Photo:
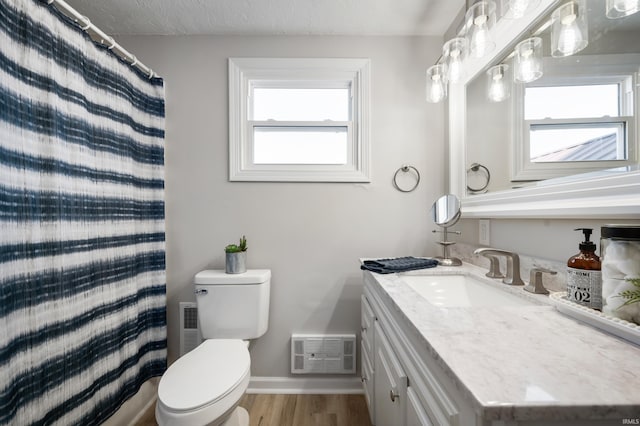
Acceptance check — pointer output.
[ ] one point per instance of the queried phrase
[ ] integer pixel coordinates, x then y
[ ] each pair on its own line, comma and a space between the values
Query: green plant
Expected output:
632, 296
237, 248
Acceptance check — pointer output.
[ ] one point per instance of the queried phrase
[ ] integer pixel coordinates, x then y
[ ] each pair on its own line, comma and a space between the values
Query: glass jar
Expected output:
620, 255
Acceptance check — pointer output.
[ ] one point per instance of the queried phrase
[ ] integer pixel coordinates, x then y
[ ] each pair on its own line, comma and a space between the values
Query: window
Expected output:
299, 120
574, 122
583, 123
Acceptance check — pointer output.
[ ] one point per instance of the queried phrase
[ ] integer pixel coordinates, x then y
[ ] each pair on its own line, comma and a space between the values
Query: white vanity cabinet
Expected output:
399, 387
460, 366
367, 336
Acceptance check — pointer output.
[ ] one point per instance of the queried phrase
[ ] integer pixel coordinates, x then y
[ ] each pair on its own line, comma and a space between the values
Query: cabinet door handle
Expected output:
393, 395
363, 379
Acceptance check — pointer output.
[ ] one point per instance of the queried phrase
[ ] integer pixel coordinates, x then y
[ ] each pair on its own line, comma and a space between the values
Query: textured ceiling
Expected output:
271, 17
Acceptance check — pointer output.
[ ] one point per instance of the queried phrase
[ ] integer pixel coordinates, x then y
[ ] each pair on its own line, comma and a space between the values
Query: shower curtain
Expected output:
82, 258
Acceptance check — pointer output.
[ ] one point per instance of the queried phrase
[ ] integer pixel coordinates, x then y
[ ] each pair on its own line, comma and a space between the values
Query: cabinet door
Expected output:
367, 383
416, 415
367, 318
390, 385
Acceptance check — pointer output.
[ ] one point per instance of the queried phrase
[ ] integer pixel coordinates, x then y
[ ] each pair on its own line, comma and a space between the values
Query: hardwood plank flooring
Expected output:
296, 410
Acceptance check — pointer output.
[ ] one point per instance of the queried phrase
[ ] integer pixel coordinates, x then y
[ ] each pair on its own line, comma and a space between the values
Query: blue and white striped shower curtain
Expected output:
82, 258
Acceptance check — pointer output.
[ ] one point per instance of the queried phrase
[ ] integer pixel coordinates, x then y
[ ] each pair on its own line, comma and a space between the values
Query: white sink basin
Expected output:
450, 291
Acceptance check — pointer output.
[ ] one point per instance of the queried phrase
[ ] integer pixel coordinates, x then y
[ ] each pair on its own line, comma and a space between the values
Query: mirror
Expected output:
446, 212
578, 117
546, 157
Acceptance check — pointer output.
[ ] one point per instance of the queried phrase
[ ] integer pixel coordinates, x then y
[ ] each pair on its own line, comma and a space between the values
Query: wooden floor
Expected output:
297, 410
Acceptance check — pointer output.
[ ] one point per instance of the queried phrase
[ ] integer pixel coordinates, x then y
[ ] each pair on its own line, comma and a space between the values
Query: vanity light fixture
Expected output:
453, 52
436, 83
515, 9
528, 60
479, 20
498, 83
569, 29
621, 8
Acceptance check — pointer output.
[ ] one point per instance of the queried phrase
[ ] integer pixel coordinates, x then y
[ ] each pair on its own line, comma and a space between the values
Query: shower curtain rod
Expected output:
104, 39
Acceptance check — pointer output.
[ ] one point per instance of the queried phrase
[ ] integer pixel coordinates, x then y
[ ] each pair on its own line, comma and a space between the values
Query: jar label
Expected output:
585, 287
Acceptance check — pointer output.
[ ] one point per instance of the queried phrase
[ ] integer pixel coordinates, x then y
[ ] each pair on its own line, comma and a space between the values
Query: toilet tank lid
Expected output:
219, 277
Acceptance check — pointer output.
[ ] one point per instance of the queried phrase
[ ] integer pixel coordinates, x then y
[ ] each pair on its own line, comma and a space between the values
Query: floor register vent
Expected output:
323, 353
189, 333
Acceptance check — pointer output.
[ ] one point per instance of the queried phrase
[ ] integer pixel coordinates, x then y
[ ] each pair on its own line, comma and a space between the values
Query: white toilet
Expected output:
204, 386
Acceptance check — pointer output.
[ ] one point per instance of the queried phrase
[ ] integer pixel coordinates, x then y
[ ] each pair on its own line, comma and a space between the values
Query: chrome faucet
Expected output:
513, 264
535, 280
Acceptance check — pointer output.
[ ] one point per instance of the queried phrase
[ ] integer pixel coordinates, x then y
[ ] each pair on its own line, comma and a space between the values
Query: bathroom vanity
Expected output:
448, 346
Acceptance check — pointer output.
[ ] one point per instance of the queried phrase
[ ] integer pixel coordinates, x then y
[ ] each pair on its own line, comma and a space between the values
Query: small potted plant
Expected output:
236, 257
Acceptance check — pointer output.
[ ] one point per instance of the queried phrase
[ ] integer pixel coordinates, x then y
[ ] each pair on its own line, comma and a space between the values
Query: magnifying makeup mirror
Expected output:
445, 212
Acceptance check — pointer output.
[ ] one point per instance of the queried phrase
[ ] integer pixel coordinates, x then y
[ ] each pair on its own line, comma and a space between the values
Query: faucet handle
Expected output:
535, 280
494, 267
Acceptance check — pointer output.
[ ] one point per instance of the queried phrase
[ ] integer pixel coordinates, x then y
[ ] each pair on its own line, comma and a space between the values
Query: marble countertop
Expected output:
521, 363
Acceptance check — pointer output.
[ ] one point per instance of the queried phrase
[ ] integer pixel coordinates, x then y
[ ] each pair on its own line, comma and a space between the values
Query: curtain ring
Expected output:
86, 22
406, 169
151, 73
113, 43
474, 167
134, 61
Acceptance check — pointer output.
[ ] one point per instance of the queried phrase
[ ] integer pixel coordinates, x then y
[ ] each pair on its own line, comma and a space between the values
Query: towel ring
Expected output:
474, 168
406, 169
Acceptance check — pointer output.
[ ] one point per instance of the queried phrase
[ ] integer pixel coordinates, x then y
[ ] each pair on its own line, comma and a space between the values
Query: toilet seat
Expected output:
204, 377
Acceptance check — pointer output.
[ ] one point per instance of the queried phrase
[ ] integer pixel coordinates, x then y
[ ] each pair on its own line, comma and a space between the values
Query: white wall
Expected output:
310, 234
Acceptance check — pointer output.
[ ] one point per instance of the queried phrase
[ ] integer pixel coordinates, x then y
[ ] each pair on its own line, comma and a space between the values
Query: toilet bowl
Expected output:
204, 386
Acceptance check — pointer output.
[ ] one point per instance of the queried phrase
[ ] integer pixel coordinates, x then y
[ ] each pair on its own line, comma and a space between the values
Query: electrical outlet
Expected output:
484, 237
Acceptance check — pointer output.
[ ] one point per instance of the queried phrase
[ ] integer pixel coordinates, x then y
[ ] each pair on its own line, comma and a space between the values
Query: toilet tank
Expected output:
233, 306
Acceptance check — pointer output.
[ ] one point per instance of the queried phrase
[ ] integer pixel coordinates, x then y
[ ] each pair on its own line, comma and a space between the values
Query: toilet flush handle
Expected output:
201, 291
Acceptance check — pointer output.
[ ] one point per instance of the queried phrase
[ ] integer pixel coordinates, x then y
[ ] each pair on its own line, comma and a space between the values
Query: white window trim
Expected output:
356, 72
619, 69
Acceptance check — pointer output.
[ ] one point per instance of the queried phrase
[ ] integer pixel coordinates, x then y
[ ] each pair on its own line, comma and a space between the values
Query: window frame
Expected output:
245, 74
569, 73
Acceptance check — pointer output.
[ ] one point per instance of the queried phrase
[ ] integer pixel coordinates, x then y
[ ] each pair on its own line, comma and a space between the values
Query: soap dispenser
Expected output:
584, 279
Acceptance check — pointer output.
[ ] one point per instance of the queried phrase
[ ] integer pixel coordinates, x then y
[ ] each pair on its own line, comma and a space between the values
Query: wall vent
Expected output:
323, 353
189, 333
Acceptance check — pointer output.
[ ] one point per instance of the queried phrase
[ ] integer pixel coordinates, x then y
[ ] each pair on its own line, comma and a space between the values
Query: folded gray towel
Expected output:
398, 264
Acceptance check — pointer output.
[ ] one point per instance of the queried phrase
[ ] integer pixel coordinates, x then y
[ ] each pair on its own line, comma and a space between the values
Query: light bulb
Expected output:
437, 92
453, 52
455, 69
570, 36
479, 39
480, 19
622, 8
569, 29
436, 83
527, 66
498, 90
528, 60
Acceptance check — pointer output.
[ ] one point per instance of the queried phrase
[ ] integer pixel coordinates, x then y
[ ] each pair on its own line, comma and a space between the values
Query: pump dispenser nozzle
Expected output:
586, 244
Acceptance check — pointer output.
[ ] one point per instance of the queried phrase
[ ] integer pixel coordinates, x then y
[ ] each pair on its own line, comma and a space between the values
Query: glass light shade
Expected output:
528, 60
569, 29
498, 86
480, 19
621, 8
515, 9
436, 83
453, 53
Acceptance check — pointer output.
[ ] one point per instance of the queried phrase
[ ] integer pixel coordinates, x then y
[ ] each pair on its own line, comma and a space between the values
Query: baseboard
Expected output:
305, 385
